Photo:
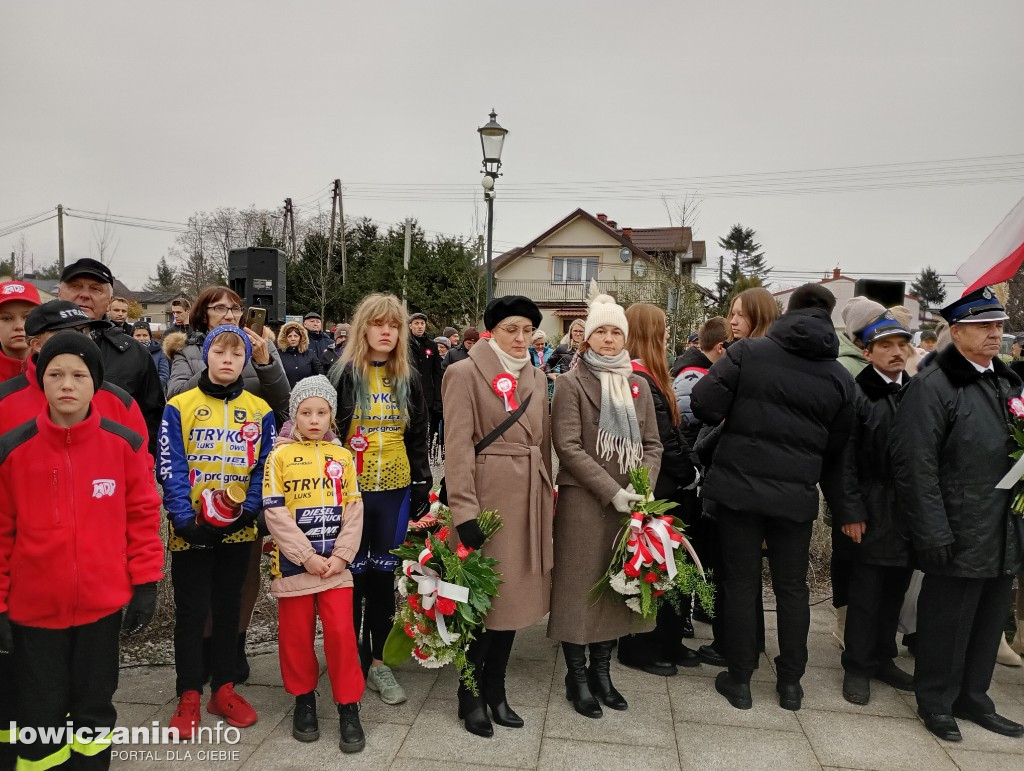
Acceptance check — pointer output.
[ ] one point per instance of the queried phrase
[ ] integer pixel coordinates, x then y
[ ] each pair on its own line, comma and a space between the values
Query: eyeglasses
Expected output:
225, 309
516, 331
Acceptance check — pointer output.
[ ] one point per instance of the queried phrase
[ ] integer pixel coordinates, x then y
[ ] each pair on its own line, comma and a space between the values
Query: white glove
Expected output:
623, 501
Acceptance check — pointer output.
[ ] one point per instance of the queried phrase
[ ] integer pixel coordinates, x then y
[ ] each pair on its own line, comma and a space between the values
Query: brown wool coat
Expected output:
512, 476
586, 524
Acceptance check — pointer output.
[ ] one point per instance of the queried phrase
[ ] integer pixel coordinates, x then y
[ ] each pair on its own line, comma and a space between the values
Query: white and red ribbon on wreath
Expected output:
250, 432
359, 444
504, 385
334, 470
430, 586
652, 540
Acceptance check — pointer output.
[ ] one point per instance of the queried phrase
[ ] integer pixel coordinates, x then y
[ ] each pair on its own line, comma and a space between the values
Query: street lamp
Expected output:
492, 139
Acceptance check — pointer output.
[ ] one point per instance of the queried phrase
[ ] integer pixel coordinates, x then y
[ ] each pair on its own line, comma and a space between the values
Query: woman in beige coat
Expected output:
511, 475
603, 424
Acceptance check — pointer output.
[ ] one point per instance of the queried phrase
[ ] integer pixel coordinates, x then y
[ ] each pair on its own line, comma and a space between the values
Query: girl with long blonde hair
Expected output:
382, 418
751, 312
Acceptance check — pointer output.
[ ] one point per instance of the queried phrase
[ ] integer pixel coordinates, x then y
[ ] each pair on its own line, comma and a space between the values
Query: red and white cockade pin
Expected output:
635, 390
250, 432
334, 470
359, 444
504, 385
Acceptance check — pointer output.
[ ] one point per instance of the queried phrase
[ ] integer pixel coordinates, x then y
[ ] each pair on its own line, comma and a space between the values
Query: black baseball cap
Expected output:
59, 314
88, 267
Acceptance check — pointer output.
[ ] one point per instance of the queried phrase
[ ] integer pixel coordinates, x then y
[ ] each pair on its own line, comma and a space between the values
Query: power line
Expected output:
25, 226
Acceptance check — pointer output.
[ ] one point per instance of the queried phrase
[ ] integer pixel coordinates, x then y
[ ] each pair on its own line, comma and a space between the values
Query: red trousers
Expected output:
296, 632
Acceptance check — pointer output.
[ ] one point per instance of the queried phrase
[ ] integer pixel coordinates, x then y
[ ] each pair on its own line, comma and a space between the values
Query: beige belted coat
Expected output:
512, 476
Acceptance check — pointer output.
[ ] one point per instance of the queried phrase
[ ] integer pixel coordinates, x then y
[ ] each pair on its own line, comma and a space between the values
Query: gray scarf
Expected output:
618, 432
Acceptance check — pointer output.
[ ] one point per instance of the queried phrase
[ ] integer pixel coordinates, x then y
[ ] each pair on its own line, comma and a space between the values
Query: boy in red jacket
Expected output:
79, 539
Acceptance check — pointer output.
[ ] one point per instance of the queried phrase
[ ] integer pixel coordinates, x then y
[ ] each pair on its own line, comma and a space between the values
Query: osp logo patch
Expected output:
202, 413
14, 289
103, 488
240, 416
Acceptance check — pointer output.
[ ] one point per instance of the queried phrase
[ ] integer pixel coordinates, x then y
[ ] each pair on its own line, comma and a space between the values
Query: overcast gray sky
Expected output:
159, 110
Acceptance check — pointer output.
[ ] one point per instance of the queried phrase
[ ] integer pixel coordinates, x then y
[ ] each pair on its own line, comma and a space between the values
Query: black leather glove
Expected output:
140, 609
202, 536
937, 557
471, 535
245, 519
419, 501
261, 524
6, 640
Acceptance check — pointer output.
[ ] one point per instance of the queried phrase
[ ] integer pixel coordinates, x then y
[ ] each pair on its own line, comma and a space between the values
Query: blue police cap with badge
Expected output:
979, 306
885, 325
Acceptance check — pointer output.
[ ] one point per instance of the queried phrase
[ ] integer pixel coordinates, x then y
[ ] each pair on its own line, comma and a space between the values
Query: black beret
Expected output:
501, 308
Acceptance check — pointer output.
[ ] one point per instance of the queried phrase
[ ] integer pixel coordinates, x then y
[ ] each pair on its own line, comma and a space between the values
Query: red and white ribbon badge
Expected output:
504, 385
250, 433
359, 445
635, 390
335, 470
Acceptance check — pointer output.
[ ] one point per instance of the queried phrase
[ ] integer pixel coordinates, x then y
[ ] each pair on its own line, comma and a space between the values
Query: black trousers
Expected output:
377, 588
742, 534
959, 622
67, 675
436, 427
8, 754
207, 582
873, 613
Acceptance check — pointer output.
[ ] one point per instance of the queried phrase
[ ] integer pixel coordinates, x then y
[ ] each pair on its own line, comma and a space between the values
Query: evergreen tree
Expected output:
929, 288
748, 264
165, 279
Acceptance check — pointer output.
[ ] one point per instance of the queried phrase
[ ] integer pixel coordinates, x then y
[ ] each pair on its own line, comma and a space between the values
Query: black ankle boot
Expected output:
599, 676
305, 726
577, 688
352, 737
473, 713
494, 680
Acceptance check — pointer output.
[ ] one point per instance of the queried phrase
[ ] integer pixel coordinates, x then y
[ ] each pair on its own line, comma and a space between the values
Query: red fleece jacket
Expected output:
79, 521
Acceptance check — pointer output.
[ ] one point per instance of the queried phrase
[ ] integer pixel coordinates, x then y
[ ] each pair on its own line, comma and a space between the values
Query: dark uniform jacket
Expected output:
128, 365
950, 446
319, 342
868, 485
677, 470
788, 411
428, 364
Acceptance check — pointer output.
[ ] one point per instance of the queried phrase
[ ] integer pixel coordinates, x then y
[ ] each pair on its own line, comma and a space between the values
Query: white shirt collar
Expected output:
886, 378
989, 368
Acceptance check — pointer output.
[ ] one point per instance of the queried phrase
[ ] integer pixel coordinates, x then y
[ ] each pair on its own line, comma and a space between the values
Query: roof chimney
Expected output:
612, 224
627, 232
836, 272
602, 217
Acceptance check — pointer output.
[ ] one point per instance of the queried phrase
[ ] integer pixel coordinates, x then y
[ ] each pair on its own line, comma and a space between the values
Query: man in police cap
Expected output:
89, 284
950, 445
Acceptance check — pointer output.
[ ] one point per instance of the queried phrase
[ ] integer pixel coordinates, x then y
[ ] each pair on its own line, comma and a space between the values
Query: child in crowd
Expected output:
214, 439
315, 513
79, 539
17, 299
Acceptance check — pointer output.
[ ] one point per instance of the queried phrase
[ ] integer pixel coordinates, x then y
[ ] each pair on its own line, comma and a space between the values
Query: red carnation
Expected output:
630, 570
657, 592
463, 551
430, 612
660, 567
409, 631
445, 605
442, 534
424, 629
420, 654
650, 577
414, 603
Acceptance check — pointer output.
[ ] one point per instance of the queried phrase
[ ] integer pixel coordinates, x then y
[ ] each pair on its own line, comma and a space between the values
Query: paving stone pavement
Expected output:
672, 723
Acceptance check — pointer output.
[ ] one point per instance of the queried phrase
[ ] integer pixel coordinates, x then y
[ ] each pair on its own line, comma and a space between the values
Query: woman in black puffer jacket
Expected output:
298, 358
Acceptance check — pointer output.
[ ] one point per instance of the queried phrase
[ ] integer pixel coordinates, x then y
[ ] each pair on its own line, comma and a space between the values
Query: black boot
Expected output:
495, 666
599, 676
241, 662
577, 689
352, 737
473, 713
305, 726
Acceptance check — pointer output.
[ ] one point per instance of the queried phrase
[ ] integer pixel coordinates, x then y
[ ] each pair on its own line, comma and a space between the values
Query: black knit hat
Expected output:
141, 325
500, 308
74, 343
812, 296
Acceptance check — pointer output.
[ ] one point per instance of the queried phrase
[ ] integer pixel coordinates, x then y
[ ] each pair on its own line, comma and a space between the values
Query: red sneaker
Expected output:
232, 707
186, 717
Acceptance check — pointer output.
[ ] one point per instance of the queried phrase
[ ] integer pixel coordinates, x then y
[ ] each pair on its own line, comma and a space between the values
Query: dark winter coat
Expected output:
128, 365
868, 483
560, 360
163, 364
689, 367
415, 430
677, 470
788, 411
454, 356
299, 364
319, 342
428, 364
950, 447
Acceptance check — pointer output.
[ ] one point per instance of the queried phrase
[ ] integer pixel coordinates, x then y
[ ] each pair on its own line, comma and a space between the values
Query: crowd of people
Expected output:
324, 442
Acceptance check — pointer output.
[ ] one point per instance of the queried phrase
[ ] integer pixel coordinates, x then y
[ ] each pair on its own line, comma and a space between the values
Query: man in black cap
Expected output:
1017, 352
318, 340
457, 353
90, 285
868, 532
951, 445
425, 357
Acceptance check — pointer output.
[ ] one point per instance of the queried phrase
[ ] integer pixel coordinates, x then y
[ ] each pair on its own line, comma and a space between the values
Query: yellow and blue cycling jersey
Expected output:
315, 481
376, 436
206, 443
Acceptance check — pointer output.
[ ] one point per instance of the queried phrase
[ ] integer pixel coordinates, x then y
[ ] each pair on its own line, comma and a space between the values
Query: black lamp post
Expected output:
492, 138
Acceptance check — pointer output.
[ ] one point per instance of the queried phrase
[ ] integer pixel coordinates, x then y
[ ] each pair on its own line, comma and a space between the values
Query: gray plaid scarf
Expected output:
618, 432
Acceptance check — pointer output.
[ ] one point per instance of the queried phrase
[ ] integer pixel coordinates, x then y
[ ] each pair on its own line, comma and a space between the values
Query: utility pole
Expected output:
334, 208
341, 228
291, 219
60, 236
405, 263
284, 220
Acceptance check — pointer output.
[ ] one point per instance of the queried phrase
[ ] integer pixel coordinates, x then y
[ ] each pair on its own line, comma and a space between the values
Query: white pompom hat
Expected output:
605, 312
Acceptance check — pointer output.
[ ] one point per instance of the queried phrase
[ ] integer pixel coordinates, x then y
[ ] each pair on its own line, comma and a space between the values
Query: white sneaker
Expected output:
382, 680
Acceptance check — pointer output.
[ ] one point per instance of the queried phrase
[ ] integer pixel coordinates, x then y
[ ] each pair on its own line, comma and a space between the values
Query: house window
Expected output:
573, 270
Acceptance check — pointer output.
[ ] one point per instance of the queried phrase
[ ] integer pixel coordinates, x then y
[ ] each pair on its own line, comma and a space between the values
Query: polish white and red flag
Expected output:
999, 258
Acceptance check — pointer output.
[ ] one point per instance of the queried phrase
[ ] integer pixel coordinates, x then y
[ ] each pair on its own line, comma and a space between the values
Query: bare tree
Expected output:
105, 241
20, 257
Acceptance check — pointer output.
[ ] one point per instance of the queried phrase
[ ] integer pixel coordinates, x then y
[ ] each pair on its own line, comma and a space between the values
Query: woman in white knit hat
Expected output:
603, 425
